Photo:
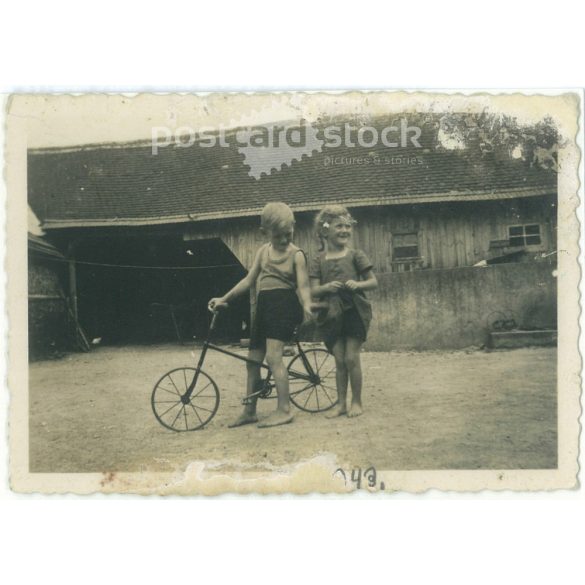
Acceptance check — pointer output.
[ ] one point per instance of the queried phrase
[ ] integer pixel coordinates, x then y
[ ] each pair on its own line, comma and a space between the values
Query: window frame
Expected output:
408, 263
525, 235
406, 233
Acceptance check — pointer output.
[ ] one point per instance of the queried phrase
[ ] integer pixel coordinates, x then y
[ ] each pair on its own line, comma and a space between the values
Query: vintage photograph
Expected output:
293, 292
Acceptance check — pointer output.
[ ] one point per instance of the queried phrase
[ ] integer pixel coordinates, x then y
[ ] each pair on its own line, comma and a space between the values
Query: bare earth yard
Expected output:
432, 410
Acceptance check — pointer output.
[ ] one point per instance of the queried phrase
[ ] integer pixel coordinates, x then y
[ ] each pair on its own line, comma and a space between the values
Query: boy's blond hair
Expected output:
277, 216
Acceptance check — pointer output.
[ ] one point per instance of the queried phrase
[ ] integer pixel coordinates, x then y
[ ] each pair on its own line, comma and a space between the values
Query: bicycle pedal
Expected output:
251, 397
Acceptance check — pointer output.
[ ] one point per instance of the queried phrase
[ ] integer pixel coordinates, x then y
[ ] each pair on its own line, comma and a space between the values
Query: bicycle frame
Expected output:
201, 400
207, 345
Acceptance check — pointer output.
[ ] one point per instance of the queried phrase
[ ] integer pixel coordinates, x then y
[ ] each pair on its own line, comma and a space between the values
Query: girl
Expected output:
340, 276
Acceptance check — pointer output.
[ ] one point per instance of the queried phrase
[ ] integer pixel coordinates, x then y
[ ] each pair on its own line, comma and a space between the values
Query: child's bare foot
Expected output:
355, 410
278, 417
245, 418
336, 411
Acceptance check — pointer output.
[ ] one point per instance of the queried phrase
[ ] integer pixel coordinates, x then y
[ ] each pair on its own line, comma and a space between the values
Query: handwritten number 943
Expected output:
368, 477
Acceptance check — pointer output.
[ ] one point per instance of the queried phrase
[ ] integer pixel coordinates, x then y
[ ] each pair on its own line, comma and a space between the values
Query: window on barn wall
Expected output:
524, 235
405, 252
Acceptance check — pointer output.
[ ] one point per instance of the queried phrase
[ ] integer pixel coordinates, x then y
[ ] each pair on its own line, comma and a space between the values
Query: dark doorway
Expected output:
154, 289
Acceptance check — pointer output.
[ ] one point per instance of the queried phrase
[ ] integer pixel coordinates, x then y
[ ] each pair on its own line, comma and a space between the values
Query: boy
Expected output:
279, 270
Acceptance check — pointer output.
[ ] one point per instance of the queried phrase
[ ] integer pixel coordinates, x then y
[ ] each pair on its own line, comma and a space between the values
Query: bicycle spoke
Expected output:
327, 386
301, 390
170, 391
185, 415
171, 408
173, 383
323, 363
195, 411
204, 388
309, 396
178, 415
200, 407
297, 379
329, 372
328, 397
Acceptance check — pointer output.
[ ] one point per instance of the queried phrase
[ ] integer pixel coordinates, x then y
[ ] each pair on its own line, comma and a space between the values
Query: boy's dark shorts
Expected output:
278, 313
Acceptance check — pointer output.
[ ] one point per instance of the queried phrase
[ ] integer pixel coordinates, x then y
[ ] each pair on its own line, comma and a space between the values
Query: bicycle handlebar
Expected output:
215, 310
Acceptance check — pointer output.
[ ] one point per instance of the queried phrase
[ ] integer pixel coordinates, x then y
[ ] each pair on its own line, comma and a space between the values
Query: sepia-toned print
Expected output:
293, 293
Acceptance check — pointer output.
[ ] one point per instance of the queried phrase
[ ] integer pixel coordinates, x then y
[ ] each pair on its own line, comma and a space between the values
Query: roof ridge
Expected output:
228, 131
146, 142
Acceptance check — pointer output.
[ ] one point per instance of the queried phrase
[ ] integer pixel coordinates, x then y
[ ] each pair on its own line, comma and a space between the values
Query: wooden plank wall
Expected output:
243, 237
450, 234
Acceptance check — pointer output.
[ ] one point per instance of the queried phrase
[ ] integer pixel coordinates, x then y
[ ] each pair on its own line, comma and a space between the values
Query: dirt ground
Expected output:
432, 410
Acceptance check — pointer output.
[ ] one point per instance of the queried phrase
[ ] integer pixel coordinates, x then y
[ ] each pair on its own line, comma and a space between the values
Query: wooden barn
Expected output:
149, 238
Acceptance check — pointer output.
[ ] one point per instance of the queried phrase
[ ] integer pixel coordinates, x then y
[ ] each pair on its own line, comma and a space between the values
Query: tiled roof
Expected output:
128, 185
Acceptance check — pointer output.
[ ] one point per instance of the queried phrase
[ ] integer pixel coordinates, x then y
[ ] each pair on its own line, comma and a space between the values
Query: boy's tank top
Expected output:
280, 273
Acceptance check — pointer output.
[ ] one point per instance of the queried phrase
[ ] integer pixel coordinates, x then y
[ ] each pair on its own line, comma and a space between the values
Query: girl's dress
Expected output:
278, 310
348, 313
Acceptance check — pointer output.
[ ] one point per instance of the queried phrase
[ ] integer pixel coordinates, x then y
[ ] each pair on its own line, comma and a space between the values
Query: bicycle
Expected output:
186, 398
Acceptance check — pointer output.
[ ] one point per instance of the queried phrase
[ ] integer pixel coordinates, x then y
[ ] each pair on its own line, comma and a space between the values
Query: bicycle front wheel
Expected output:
312, 380
178, 412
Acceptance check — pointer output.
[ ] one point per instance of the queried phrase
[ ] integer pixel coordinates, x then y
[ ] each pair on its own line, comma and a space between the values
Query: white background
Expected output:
435, 538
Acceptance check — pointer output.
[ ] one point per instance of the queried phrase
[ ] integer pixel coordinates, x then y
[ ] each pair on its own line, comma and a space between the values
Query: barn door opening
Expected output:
220, 271
156, 289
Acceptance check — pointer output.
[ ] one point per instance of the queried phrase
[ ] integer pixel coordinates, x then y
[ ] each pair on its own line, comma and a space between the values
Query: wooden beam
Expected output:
72, 279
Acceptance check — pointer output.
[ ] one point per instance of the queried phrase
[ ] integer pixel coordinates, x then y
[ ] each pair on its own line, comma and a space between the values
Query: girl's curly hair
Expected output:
326, 216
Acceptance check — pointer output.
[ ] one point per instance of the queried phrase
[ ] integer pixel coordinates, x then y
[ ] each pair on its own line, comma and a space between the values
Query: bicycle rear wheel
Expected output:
312, 384
174, 410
